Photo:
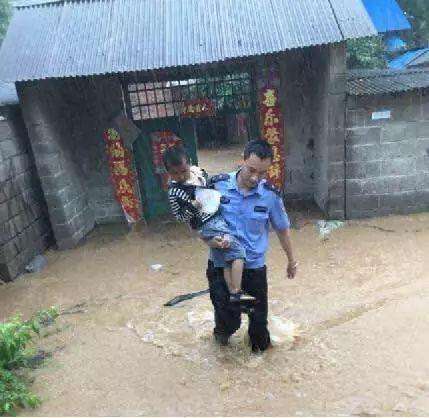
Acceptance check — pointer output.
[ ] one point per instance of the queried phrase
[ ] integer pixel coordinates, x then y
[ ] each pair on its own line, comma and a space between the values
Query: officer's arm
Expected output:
281, 224
286, 243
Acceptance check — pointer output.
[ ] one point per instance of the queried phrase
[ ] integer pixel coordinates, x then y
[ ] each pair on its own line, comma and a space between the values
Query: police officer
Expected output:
250, 205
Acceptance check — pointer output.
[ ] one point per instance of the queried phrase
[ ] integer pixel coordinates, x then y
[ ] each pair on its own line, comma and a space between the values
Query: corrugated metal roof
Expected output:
97, 37
28, 3
361, 83
408, 59
387, 15
8, 94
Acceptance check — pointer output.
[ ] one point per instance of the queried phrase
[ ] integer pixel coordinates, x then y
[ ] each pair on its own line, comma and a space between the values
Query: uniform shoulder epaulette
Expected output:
219, 177
272, 188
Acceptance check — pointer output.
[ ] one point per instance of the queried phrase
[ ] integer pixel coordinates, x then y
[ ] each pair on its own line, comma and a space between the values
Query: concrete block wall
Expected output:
44, 111
94, 102
387, 161
335, 204
313, 102
24, 223
66, 120
300, 104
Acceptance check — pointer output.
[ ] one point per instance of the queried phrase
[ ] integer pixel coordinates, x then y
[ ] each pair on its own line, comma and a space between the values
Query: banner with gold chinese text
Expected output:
271, 124
122, 175
198, 108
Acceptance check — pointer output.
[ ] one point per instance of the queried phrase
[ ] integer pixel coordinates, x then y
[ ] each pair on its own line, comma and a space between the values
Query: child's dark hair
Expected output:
262, 149
174, 156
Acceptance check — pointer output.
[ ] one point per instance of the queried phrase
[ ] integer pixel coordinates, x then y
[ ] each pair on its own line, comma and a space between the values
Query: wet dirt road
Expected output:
351, 332
222, 160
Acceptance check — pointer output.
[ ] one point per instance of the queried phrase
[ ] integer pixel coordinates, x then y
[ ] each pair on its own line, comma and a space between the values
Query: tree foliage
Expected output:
366, 53
370, 52
5, 14
418, 13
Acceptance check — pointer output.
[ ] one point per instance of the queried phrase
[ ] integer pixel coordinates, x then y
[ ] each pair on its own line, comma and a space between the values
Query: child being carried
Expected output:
193, 202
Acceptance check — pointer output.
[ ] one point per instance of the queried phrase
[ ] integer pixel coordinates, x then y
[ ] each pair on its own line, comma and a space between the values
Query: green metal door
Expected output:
175, 106
154, 198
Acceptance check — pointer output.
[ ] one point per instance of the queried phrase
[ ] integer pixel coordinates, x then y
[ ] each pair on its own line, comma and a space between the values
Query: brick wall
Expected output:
24, 226
387, 160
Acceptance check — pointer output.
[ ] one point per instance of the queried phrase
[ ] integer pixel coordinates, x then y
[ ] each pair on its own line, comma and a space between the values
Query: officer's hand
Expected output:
292, 269
226, 241
216, 242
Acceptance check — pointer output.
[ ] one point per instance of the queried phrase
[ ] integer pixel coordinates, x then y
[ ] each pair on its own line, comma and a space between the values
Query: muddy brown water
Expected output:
351, 331
222, 160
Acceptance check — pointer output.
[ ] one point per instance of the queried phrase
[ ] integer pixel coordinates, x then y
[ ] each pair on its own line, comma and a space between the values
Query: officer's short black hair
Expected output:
174, 156
262, 149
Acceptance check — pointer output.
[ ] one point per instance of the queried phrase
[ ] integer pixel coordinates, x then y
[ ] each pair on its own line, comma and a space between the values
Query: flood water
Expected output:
351, 332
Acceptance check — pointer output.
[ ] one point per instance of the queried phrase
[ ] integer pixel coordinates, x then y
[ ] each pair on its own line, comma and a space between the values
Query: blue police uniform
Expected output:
249, 215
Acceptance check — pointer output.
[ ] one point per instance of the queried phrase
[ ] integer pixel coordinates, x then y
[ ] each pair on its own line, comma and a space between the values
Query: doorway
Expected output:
210, 114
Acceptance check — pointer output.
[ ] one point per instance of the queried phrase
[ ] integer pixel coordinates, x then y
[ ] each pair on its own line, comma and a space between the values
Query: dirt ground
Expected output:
220, 160
350, 332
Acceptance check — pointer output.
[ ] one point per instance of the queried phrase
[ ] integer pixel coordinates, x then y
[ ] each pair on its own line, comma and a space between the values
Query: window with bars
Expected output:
151, 100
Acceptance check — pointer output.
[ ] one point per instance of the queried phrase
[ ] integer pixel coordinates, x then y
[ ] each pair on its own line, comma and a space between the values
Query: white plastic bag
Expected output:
209, 199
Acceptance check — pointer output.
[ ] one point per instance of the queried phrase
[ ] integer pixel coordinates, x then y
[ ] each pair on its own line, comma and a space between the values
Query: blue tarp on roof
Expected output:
404, 60
395, 43
386, 15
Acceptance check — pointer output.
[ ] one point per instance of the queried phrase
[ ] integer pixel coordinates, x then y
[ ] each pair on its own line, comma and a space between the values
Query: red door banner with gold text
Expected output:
271, 123
122, 175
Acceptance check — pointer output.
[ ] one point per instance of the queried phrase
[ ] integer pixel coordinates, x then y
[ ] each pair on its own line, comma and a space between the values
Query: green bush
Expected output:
14, 393
15, 339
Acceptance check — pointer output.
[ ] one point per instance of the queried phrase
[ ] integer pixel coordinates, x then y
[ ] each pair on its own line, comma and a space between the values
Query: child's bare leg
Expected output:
236, 292
236, 275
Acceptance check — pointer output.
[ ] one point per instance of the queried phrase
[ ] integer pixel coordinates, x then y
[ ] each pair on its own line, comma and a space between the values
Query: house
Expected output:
176, 70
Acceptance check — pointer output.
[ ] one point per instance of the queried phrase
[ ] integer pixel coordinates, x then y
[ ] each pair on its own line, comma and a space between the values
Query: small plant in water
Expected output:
15, 337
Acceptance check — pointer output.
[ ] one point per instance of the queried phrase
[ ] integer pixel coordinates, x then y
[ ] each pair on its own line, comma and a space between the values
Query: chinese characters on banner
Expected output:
161, 140
122, 174
272, 131
198, 108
